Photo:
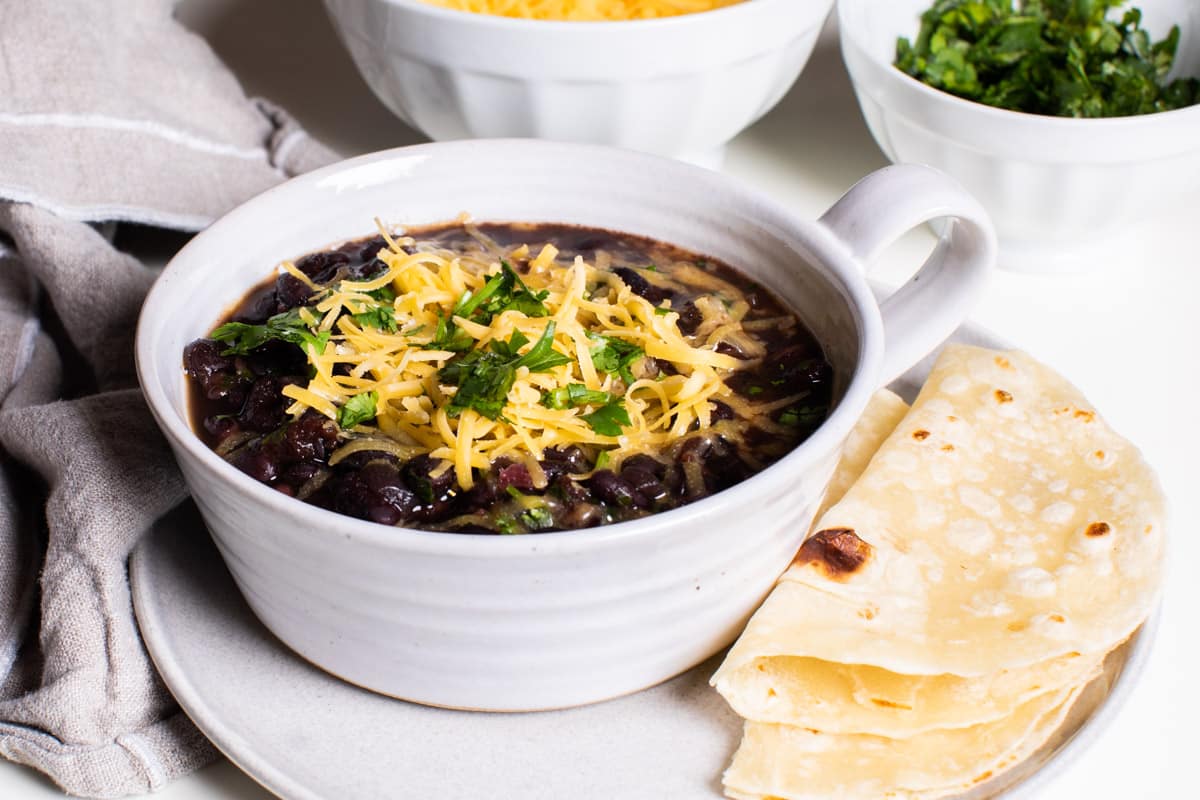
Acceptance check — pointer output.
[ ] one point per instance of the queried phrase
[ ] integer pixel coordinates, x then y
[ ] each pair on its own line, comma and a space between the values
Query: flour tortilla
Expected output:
792, 763
855, 698
1002, 524
882, 415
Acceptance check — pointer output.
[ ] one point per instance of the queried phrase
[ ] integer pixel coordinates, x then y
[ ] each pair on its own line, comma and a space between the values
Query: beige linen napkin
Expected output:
109, 112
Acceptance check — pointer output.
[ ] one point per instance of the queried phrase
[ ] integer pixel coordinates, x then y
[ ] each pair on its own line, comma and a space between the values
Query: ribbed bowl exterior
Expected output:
682, 85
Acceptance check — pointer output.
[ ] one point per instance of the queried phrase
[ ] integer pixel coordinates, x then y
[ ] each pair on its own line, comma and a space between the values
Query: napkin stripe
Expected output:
109, 211
165, 132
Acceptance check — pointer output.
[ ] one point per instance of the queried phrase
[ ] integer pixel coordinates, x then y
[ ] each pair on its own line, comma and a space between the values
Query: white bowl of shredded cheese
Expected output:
680, 85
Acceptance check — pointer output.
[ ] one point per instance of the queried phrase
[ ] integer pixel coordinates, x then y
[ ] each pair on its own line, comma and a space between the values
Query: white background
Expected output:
1127, 332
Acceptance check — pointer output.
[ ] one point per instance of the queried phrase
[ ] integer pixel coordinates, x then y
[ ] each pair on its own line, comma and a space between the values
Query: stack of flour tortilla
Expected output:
979, 555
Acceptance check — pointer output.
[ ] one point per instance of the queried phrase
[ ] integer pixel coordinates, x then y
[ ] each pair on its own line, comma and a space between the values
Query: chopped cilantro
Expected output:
602, 459
537, 518
1054, 57
504, 291
806, 416
573, 395
241, 337
483, 377
381, 318
449, 336
506, 525
753, 390
662, 311
608, 418
358, 409
613, 355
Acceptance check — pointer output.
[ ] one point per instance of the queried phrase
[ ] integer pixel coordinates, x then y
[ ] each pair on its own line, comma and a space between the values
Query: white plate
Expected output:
304, 734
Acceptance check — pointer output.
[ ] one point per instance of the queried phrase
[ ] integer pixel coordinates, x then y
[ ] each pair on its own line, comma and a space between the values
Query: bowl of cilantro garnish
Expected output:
1073, 121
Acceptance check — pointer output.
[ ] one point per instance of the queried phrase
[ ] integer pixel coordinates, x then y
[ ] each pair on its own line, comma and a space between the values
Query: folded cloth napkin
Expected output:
110, 111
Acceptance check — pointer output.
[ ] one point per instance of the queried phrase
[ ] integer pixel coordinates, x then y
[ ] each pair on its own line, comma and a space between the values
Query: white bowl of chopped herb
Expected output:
1104, 132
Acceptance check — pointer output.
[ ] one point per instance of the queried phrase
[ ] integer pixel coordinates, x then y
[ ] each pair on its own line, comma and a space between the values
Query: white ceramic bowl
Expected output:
1058, 190
680, 86
556, 619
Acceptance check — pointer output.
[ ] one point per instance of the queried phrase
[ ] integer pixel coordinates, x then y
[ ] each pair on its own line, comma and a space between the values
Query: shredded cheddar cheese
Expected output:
584, 10
416, 368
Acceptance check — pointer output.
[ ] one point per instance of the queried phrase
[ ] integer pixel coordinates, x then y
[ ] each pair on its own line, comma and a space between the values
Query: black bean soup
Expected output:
774, 397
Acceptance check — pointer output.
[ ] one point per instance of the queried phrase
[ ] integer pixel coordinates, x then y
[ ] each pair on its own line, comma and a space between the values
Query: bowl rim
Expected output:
849, 281
994, 114
713, 16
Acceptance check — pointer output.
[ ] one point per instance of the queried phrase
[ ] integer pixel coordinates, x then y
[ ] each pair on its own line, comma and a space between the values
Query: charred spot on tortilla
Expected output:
837, 552
1086, 416
1098, 529
890, 704
921, 435
1003, 396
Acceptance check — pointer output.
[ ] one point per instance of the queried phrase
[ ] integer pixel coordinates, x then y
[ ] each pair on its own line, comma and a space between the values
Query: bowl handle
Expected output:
881, 208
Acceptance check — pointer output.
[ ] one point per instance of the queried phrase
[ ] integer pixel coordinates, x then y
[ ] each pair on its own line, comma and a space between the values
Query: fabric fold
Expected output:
113, 112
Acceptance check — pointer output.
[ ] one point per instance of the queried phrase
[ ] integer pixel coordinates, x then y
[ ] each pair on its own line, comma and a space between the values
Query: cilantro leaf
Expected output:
537, 518
241, 337
484, 376
358, 409
608, 418
573, 395
614, 356
542, 357
381, 318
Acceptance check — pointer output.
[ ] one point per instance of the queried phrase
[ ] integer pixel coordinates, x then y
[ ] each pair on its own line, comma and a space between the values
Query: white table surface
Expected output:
1125, 332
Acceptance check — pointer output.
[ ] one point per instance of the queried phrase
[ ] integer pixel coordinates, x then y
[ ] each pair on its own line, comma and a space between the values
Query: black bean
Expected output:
375, 492
611, 489
312, 437
297, 474
646, 463
419, 475
644, 483
277, 357
257, 308
729, 349
220, 427
563, 461
363, 271
641, 286
290, 292
219, 376
570, 490
265, 406
689, 318
720, 411
257, 462
203, 358
795, 365
321, 266
365, 251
